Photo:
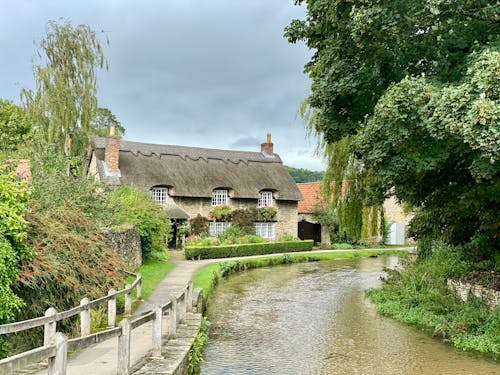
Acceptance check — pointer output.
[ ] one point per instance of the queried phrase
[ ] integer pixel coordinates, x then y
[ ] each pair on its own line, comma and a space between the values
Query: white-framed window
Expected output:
265, 230
265, 199
218, 227
160, 194
219, 197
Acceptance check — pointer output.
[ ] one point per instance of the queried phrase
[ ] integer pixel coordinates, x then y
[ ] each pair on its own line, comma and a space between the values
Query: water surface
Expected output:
313, 318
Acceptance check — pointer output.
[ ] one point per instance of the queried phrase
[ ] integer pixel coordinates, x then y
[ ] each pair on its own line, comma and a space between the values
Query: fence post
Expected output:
49, 329
111, 309
189, 303
139, 288
85, 318
128, 300
57, 364
123, 367
172, 315
157, 331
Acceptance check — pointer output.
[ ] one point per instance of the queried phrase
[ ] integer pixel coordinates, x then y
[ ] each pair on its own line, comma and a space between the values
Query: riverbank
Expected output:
419, 296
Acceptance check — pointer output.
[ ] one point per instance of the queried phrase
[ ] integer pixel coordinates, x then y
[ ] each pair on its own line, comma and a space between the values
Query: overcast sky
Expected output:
206, 73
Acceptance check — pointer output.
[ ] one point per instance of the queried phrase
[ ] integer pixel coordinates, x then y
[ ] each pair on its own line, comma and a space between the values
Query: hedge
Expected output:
246, 249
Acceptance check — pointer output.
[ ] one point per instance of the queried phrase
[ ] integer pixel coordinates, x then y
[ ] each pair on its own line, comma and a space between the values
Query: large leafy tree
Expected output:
64, 101
414, 84
14, 126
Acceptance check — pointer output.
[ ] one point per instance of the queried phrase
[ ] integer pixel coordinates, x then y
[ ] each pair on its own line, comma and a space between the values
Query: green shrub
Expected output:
221, 213
251, 238
266, 213
152, 222
198, 225
245, 219
287, 237
226, 251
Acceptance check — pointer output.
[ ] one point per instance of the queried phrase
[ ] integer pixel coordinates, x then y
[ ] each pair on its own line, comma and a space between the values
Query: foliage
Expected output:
221, 213
304, 175
198, 225
415, 85
13, 201
102, 122
440, 154
65, 99
245, 219
231, 235
266, 213
15, 129
195, 355
236, 250
419, 296
152, 222
287, 237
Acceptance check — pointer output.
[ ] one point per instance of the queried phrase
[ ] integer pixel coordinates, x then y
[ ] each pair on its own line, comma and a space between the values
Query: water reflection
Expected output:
314, 319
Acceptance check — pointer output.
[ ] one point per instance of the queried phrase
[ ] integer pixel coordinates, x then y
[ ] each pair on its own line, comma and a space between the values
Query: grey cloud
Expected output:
246, 142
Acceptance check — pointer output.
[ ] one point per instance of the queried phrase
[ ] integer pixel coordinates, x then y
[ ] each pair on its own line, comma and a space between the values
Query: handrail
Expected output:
42, 320
56, 345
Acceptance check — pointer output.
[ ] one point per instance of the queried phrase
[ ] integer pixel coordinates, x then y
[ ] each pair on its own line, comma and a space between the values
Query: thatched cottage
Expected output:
189, 181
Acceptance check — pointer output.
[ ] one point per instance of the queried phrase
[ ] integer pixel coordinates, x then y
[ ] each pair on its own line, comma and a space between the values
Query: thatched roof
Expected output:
196, 172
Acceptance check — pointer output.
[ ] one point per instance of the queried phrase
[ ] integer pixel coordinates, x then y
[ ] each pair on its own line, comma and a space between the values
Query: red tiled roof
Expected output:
311, 191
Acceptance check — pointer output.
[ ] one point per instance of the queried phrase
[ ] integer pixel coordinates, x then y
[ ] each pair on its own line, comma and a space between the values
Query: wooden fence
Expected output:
56, 345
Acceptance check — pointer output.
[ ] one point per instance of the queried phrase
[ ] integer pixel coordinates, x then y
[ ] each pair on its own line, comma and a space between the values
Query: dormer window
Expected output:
265, 199
219, 197
160, 194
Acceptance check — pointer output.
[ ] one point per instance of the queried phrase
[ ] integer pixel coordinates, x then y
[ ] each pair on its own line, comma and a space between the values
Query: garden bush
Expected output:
236, 250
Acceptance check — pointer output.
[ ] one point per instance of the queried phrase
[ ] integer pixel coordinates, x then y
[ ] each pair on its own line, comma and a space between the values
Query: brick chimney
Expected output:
112, 152
267, 148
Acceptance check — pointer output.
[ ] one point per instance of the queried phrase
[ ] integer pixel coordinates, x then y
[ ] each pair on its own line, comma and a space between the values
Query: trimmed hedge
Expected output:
246, 249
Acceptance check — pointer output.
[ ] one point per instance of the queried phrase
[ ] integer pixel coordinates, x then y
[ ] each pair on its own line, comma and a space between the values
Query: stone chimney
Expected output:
112, 153
267, 148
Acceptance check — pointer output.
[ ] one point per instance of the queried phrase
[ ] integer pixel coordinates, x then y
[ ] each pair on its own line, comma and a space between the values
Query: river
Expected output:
314, 318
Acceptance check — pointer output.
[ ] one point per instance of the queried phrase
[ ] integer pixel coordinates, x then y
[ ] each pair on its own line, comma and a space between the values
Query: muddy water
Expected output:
314, 319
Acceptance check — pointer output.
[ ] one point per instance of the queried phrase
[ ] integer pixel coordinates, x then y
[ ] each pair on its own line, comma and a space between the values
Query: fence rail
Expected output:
56, 345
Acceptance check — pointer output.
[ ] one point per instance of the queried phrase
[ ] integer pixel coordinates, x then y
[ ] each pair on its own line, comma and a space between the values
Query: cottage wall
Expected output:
287, 218
394, 212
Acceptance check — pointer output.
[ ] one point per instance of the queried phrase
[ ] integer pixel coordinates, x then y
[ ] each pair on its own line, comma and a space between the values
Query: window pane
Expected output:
265, 199
160, 194
219, 197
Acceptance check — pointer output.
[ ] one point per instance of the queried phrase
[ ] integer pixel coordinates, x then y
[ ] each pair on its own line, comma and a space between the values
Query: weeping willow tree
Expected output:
65, 99
346, 185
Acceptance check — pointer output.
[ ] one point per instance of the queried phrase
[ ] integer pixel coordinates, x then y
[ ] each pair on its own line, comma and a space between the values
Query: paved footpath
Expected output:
101, 358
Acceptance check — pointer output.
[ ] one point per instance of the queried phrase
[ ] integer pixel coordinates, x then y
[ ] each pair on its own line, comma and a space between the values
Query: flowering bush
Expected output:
266, 213
221, 213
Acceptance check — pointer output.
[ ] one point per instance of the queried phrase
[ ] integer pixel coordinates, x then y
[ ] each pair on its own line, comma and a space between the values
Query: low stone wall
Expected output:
127, 243
463, 290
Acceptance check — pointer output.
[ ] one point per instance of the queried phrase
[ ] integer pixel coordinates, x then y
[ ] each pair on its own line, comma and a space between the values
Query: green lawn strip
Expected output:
208, 276
152, 271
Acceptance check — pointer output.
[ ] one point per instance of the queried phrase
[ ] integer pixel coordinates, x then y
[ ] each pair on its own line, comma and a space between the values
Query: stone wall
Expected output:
463, 290
286, 218
127, 243
394, 213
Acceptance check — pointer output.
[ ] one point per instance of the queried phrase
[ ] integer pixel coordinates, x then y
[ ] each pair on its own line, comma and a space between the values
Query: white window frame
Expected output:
265, 199
219, 197
266, 230
160, 194
218, 227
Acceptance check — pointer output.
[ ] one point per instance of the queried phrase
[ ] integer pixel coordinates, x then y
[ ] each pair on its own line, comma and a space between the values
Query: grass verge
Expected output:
152, 271
419, 296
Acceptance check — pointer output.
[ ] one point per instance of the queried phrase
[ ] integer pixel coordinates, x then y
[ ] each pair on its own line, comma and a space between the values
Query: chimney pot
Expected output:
268, 147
